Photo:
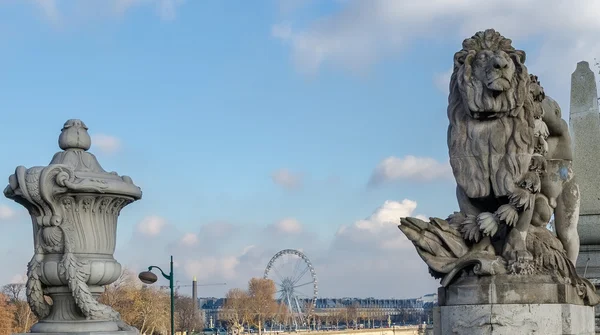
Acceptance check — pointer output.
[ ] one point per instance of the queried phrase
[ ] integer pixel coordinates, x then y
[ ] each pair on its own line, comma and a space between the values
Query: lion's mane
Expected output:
489, 156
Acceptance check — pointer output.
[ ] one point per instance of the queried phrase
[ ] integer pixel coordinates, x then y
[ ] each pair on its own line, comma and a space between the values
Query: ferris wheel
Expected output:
296, 282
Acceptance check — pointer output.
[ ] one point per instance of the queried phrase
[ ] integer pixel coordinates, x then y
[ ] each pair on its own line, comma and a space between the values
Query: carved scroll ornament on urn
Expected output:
74, 206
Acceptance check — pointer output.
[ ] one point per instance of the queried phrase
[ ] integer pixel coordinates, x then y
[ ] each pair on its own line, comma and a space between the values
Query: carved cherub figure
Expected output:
558, 180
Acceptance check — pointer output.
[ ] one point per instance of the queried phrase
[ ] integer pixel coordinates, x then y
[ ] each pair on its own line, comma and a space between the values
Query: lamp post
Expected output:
148, 277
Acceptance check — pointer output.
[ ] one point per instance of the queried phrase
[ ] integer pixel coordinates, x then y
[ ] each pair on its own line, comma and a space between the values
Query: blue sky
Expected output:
257, 126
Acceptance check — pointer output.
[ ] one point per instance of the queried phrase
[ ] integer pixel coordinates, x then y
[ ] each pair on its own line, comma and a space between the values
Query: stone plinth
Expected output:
508, 289
512, 319
509, 304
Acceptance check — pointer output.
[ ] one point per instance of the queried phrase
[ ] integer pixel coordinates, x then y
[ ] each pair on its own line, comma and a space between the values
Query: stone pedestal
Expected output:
511, 305
588, 266
511, 319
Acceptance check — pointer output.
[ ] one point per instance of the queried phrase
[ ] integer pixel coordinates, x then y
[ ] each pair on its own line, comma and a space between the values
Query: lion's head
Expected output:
491, 76
491, 108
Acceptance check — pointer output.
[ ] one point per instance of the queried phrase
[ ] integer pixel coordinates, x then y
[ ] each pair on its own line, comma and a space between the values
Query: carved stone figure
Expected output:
74, 206
510, 153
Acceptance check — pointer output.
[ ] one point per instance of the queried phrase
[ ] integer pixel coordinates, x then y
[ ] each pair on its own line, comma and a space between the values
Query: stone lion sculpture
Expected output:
491, 133
510, 156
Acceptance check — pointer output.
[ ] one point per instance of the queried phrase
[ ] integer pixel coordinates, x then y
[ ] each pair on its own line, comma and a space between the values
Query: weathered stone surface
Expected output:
74, 205
437, 320
585, 126
508, 289
511, 319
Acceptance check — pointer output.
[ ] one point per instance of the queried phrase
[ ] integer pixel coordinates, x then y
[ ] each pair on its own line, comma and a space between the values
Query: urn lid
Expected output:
80, 171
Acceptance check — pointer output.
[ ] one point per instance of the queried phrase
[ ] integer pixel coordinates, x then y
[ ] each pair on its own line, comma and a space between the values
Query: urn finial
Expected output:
74, 135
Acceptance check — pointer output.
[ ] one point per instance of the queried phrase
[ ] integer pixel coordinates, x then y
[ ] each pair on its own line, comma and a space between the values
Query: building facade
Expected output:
336, 311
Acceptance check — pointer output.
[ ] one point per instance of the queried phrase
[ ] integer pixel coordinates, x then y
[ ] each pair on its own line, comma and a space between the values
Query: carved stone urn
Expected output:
74, 206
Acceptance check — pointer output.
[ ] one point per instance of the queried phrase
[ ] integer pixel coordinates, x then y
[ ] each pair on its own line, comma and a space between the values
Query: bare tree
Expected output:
122, 295
6, 316
352, 313
236, 305
144, 307
187, 316
153, 310
23, 317
261, 301
309, 309
14, 292
338, 314
283, 314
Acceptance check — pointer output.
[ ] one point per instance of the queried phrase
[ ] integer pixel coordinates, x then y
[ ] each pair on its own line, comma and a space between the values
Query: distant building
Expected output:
211, 309
383, 310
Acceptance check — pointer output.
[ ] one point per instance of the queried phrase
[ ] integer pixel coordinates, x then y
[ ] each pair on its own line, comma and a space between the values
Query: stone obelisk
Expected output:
585, 127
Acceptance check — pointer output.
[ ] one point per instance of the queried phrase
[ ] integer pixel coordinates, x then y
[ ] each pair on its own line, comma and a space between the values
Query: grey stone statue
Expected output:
74, 206
510, 153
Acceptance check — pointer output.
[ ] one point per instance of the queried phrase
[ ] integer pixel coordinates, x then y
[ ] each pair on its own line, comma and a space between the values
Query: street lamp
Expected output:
148, 277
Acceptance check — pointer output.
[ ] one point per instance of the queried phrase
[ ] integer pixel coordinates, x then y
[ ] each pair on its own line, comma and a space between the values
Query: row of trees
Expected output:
144, 307
353, 315
148, 307
15, 314
257, 307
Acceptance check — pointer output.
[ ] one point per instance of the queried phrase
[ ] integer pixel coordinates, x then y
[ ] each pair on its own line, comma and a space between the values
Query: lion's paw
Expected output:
507, 214
488, 223
470, 229
521, 198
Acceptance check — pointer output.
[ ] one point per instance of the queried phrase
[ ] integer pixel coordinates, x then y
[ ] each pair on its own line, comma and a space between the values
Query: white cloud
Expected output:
18, 279
207, 267
151, 225
189, 239
377, 246
247, 249
380, 230
374, 244
217, 230
106, 143
286, 179
409, 167
287, 226
7, 213
386, 216
360, 33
